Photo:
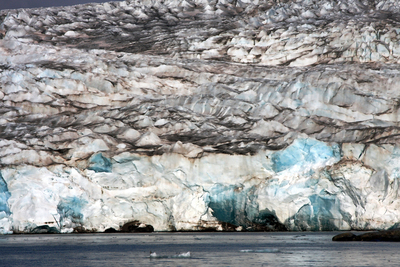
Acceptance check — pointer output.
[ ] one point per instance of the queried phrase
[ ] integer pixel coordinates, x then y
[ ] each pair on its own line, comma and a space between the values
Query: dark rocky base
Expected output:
387, 235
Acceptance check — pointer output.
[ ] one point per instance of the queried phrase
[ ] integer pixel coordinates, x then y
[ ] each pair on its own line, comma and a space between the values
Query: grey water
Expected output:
194, 249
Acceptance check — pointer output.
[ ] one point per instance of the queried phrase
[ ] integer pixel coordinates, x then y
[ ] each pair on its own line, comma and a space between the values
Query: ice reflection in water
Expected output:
194, 249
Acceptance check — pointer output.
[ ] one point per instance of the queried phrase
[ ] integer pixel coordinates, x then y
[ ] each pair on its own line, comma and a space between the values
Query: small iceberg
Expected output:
267, 250
153, 255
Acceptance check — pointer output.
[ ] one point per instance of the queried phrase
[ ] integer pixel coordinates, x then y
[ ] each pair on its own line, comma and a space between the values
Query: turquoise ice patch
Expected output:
303, 152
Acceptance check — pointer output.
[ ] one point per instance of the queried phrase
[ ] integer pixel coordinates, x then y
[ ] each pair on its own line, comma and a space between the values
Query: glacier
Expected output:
200, 115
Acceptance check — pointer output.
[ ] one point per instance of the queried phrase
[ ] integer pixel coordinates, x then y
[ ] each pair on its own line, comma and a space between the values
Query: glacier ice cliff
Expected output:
184, 115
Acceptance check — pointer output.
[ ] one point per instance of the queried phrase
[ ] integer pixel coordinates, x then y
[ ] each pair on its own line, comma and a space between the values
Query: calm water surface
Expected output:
206, 249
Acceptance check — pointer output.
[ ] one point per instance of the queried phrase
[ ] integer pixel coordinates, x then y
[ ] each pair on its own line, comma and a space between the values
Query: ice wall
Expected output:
4, 209
200, 115
318, 190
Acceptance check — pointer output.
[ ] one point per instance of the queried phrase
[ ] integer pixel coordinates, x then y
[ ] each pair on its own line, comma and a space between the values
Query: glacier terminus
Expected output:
198, 115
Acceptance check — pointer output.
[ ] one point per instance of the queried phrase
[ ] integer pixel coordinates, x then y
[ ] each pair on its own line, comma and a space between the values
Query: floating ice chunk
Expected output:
183, 255
154, 255
267, 250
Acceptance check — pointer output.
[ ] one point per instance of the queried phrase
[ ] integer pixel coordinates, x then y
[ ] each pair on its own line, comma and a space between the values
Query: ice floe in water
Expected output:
154, 255
267, 250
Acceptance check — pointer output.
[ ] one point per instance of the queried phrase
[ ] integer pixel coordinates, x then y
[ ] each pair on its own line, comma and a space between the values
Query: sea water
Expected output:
194, 249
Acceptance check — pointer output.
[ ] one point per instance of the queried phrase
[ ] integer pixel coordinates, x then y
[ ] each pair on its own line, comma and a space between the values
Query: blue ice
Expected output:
4, 196
228, 203
319, 215
302, 153
99, 163
237, 205
71, 207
